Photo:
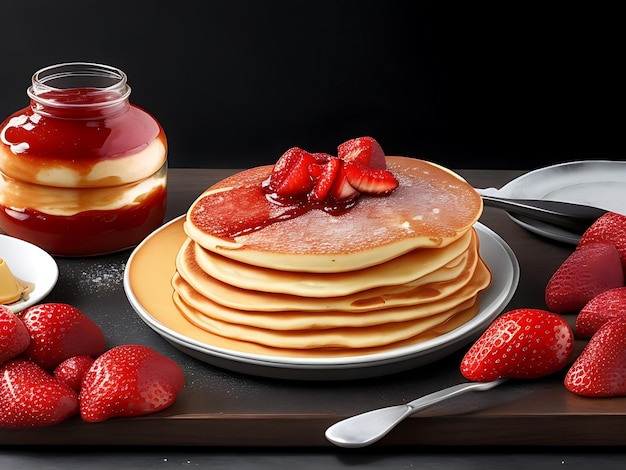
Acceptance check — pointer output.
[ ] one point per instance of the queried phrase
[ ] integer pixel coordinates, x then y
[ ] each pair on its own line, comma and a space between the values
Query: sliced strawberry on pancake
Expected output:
290, 176
365, 151
341, 189
324, 181
370, 180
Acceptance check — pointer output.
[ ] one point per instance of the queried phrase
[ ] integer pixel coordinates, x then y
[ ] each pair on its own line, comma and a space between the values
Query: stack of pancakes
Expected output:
391, 271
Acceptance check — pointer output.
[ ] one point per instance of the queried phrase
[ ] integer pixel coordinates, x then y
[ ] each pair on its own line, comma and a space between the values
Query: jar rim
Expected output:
72, 75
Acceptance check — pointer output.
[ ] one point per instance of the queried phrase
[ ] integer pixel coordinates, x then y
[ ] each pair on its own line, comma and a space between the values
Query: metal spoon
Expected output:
575, 218
369, 427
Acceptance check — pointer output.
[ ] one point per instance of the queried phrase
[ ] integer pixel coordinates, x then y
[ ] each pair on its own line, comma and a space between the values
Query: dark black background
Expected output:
235, 83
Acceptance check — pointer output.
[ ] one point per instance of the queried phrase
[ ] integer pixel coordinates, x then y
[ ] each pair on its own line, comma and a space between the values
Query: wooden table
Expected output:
219, 409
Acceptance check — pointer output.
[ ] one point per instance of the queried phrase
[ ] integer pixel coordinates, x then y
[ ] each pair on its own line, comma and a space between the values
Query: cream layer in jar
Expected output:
82, 171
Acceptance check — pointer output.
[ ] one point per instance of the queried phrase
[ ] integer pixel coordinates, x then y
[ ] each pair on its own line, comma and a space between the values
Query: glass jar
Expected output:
82, 170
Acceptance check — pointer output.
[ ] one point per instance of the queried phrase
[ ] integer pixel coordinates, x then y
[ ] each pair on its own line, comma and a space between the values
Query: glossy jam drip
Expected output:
78, 133
82, 170
223, 214
90, 232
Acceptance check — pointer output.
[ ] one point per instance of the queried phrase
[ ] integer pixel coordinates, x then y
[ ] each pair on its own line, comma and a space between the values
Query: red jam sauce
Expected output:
79, 137
223, 215
87, 233
69, 132
84, 134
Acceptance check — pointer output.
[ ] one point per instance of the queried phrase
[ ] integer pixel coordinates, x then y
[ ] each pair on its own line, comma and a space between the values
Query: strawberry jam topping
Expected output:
260, 210
299, 182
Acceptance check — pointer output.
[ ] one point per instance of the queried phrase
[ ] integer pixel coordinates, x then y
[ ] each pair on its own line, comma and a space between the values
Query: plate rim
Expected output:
537, 227
47, 268
572, 163
456, 337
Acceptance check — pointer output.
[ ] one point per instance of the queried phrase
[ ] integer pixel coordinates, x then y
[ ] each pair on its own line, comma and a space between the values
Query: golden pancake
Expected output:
155, 263
341, 337
295, 280
313, 320
433, 286
399, 271
431, 207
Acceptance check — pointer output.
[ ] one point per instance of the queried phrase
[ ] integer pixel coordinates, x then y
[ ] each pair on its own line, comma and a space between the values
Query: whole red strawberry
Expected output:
31, 397
14, 337
72, 370
600, 370
588, 271
600, 309
610, 228
59, 331
129, 380
520, 344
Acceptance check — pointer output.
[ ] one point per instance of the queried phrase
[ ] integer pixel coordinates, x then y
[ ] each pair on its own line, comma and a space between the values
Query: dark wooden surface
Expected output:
220, 409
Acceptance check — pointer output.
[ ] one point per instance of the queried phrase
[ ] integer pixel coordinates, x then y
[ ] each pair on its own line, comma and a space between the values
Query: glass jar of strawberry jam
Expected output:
82, 170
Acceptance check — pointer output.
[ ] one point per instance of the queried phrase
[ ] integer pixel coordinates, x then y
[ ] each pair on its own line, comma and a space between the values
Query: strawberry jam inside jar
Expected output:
82, 170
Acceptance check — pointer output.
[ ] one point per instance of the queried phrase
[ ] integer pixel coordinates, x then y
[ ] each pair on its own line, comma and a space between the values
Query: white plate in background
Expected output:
164, 318
599, 183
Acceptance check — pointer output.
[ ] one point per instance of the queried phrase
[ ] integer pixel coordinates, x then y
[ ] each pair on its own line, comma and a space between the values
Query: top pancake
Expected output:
432, 207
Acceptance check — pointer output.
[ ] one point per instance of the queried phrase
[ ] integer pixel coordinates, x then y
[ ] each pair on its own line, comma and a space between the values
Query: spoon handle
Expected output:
573, 217
369, 427
450, 392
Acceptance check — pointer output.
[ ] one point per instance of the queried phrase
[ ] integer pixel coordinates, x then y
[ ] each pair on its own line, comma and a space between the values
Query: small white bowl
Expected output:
32, 266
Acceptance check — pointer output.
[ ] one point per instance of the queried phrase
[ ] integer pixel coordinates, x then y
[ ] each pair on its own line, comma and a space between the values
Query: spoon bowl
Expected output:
367, 428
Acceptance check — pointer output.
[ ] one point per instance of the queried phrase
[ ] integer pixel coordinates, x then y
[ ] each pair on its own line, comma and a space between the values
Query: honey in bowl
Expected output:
11, 290
82, 170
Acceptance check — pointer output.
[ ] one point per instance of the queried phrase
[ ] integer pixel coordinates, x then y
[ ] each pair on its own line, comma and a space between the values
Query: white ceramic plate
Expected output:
166, 320
600, 183
31, 265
